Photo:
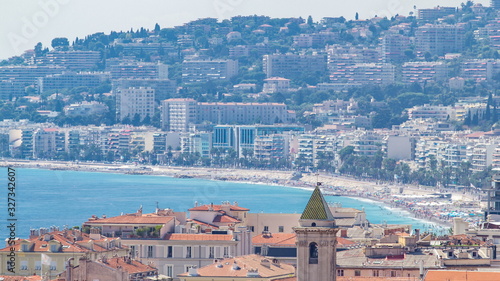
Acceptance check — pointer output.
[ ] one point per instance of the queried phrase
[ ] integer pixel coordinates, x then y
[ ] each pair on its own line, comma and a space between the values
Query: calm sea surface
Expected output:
47, 198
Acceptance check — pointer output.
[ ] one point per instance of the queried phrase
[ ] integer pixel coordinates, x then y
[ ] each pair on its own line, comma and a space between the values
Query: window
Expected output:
226, 252
54, 248
393, 273
53, 265
211, 252
266, 228
281, 228
132, 251
375, 273
340, 272
313, 253
170, 270
188, 252
24, 265
251, 228
24, 247
169, 252
357, 272
38, 265
150, 252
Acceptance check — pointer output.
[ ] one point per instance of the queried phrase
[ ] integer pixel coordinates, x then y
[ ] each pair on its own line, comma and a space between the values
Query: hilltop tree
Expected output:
60, 42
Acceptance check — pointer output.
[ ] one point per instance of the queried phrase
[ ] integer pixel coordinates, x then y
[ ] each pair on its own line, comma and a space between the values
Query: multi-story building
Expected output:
178, 114
292, 66
276, 85
271, 147
76, 60
140, 70
202, 71
479, 70
423, 72
164, 88
437, 112
482, 154
58, 247
135, 101
435, 13
69, 80
314, 150
368, 143
14, 79
197, 143
394, 46
85, 108
364, 73
438, 39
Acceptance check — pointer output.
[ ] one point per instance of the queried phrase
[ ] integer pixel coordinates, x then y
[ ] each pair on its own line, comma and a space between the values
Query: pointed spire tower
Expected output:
316, 241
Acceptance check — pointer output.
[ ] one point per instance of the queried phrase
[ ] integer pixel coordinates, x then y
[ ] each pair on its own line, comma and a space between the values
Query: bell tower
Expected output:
316, 241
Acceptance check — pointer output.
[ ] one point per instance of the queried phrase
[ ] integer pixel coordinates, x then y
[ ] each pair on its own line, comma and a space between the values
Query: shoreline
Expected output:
379, 192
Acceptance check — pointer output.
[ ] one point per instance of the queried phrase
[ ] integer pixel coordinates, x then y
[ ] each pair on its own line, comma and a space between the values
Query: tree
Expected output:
310, 20
157, 28
356, 17
60, 42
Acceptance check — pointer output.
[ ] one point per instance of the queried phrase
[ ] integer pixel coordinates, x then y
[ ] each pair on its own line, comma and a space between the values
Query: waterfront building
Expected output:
178, 114
401, 147
132, 102
271, 147
200, 143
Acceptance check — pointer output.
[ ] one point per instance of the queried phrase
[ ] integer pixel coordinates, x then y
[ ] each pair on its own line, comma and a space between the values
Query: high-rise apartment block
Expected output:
439, 39
422, 72
290, 66
364, 73
132, 101
435, 13
75, 60
201, 71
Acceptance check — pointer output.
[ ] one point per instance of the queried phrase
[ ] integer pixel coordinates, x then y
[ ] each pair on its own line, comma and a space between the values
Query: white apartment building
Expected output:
276, 85
269, 147
132, 101
439, 113
178, 114
364, 73
479, 70
202, 71
68, 80
439, 39
482, 154
421, 72
291, 65
78, 60
144, 70
85, 108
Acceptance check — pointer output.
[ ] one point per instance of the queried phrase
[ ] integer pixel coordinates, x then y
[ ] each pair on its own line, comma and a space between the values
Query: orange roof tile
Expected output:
225, 219
199, 237
203, 223
20, 278
275, 239
342, 241
455, 275
218, 208
132, 267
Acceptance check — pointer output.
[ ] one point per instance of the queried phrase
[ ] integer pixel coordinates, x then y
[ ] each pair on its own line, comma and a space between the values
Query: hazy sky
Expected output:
23, 23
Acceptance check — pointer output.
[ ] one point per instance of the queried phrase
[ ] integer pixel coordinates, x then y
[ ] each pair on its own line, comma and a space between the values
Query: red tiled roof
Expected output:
275, 239
199, 237
342, 241
132, 267
38, 244
218, 208
455, 275
21, 278
203, 223
133, 219
225, 219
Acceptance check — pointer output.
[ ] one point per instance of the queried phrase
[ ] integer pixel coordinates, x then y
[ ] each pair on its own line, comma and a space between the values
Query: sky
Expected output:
24, 23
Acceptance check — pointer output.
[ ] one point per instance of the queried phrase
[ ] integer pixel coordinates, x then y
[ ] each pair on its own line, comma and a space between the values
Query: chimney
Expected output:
193, 271
343, 233
265, 263
417, 234
95, 234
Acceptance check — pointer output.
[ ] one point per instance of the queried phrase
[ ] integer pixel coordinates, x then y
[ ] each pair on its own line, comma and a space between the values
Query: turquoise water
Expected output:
47, 198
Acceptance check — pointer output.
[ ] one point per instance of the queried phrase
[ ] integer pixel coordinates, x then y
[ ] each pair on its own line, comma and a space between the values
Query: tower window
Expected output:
313, 253
313, 224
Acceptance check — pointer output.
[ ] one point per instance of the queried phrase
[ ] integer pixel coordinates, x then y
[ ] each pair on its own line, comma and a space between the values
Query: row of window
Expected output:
375, 273
38, 265
188, 252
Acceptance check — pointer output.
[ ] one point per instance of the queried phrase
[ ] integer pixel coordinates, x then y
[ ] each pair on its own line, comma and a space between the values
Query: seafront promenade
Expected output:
418, 200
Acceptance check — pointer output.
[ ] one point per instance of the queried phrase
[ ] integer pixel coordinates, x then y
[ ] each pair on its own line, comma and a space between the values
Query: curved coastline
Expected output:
359, 190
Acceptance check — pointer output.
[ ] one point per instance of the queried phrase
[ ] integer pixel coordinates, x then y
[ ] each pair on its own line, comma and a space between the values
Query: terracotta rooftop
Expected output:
132, 219
203, 223
275, 239
65, 240
218, 208
132, 267
20, 278
199, 237
359, 278
455, 275
240, 266
225, 219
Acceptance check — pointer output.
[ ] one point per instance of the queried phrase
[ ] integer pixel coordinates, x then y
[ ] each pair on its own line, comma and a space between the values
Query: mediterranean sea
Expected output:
46, 198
